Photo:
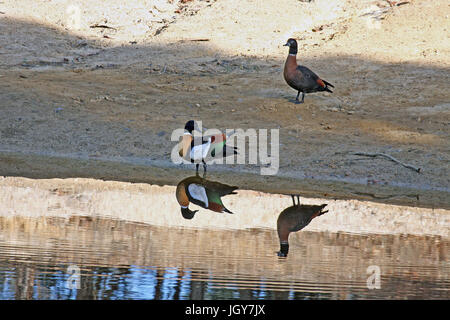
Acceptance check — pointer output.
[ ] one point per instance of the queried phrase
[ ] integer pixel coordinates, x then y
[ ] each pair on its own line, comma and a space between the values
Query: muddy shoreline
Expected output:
165, 173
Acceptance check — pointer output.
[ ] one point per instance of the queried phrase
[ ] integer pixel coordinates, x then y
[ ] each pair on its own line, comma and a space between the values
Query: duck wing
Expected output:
295, 218
310, 81
306, 79
220, 188
215, 201
217, 144
207, 194
306, 213
197, 194
216, 190
199, 150
219, 148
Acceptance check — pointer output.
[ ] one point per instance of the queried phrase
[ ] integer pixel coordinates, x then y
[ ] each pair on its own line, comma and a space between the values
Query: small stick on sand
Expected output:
389, 157
195, 40
101, 26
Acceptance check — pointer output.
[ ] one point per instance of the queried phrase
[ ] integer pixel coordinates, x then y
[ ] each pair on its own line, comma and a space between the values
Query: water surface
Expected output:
125, 260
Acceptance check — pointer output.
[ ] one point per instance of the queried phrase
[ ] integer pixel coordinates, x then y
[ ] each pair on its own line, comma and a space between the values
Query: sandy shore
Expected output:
101, 98
157, 205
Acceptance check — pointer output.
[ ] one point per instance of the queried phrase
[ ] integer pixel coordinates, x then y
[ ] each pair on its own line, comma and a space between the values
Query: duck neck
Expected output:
284, 247
291, 61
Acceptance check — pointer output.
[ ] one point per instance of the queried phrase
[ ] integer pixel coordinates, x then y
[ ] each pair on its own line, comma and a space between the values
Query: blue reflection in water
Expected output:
169, 283
142, 283
185, 285
31, 271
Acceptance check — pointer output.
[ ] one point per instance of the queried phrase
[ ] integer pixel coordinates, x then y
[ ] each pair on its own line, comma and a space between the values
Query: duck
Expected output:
204, 193
293, 219
301, 78
210, 146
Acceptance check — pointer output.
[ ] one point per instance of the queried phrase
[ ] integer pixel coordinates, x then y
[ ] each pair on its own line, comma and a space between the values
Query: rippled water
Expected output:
124, 260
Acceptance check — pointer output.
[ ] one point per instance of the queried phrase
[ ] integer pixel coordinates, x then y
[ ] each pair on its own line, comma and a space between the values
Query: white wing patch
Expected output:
200, 152
198, 192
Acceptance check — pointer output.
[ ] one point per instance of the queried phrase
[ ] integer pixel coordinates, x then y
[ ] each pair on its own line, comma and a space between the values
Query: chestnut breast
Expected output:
290, 71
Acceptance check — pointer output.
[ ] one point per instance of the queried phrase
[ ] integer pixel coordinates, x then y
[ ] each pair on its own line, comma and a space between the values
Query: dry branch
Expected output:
373, 155
104, 26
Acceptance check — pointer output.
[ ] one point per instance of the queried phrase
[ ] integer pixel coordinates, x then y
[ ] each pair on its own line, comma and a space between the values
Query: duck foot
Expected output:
204, 167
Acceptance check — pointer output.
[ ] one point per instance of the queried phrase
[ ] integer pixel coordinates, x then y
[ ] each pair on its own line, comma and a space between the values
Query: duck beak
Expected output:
286, 44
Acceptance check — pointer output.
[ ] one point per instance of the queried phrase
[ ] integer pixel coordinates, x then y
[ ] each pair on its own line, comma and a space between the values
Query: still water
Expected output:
40, 259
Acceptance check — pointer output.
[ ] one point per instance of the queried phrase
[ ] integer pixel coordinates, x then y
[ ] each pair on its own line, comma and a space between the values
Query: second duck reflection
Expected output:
207, 194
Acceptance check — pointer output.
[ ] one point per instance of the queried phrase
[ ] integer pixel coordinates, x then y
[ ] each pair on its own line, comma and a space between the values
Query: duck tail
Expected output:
228, 151
321, 208
324, 85
229, 134
319, 211
327, 83
227, 211
228, 190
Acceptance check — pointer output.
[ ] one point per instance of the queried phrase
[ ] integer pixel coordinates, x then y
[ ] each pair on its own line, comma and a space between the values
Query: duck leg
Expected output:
293, 199
303, 98
196, 168
204, 167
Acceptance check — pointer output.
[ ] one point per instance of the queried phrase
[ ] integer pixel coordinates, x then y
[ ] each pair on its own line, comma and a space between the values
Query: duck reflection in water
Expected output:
202, 192
293, 219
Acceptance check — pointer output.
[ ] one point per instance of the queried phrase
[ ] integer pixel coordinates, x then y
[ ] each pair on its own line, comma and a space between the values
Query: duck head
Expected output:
187, 213
183, 201
284, 249
292, 44
189, 126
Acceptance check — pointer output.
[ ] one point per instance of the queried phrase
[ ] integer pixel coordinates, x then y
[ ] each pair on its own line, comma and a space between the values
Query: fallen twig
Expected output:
102, 26
196, 40
396, 3
373, 155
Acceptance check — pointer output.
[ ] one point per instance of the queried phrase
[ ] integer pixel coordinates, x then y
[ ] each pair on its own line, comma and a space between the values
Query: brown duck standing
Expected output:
299, 77
293, 219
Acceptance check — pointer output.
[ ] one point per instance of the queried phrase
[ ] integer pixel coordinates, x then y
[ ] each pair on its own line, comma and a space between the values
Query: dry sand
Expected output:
98, 96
